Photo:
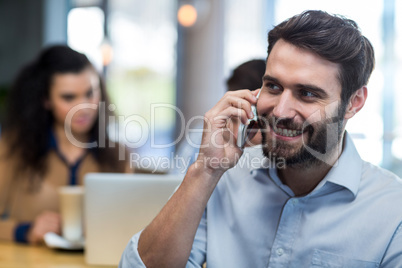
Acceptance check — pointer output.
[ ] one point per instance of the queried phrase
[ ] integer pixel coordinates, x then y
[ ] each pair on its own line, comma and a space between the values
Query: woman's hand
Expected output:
45, 222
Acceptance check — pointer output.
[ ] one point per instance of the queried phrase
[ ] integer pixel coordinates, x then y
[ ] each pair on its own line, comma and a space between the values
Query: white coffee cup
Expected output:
71, 208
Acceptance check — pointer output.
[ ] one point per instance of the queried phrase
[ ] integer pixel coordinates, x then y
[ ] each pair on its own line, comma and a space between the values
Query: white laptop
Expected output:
119, 205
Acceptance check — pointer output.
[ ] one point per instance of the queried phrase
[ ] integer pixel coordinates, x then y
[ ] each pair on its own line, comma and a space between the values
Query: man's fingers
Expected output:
236, 107
246, 94
256, 92
231, 112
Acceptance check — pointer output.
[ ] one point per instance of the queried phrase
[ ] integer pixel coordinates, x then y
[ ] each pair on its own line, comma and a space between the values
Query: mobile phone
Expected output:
246, 132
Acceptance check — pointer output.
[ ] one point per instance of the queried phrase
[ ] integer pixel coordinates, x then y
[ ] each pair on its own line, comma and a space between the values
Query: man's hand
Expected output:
45, 222
168, 239
218, 150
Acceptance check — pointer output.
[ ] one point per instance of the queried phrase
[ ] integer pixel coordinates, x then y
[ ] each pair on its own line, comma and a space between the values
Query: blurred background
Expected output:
157, 55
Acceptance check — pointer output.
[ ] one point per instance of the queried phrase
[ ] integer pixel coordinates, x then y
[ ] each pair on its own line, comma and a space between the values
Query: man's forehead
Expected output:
286, 58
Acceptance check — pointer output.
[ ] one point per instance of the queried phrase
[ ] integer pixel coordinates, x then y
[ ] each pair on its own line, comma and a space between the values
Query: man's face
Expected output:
300, 106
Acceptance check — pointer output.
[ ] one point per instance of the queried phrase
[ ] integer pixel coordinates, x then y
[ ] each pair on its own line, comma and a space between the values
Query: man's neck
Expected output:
302, 180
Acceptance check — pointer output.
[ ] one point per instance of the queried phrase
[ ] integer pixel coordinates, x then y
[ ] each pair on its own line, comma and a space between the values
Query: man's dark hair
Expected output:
333, 38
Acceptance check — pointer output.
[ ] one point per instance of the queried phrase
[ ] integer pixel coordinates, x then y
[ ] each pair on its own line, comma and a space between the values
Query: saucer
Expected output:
54, 240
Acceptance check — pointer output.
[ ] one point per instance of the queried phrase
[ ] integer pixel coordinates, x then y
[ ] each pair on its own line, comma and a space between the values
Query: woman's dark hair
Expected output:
247, 75
333, 38
28, 123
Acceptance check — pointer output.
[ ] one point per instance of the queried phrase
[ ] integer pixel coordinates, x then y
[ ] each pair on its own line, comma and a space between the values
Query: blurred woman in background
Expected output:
54, 133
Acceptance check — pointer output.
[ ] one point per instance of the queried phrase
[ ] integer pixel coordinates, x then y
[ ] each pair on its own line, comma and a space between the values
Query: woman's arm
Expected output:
12, 229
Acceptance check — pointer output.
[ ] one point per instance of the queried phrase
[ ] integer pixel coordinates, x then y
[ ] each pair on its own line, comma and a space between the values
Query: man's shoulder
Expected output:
370, 170
375, 177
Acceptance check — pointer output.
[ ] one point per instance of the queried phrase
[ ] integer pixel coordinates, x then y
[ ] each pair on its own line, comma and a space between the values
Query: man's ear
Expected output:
356, 102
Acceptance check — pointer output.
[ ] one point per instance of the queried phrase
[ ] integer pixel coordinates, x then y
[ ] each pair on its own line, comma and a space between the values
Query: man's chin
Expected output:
283, 149
291, 157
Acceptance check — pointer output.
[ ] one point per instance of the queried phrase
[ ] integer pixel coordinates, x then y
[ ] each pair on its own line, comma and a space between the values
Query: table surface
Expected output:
14, 255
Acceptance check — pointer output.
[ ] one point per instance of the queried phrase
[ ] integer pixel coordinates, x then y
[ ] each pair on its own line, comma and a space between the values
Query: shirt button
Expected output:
279, 251
295, 201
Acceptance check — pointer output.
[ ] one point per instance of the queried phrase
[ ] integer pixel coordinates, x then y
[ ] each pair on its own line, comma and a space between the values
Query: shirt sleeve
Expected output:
131, 257
393, 254
7, 230
21, 232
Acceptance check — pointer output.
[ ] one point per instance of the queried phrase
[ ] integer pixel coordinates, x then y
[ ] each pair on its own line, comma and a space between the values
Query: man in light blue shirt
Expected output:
311, 201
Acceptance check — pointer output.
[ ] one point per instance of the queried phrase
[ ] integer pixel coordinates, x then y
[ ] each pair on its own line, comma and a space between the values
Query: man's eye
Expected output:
308, 94
272, 87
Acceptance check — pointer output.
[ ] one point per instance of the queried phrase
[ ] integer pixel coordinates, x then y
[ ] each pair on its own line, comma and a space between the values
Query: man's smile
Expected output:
287, 132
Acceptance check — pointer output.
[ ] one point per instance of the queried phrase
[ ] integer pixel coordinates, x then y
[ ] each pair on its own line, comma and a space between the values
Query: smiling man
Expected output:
325, 207
302, 114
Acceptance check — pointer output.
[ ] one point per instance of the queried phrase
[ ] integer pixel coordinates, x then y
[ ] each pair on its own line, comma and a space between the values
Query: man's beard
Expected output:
323, 138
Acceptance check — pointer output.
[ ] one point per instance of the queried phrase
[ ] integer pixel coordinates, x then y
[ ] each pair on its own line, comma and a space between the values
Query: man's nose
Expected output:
284, 107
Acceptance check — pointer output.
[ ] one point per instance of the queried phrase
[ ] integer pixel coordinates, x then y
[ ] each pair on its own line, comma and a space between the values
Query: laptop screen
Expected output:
117, 206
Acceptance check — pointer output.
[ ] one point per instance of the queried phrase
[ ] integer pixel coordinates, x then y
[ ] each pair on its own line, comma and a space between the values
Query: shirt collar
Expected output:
346, 172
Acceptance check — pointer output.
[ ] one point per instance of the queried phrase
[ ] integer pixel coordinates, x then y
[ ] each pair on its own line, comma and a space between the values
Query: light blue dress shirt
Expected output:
351, 219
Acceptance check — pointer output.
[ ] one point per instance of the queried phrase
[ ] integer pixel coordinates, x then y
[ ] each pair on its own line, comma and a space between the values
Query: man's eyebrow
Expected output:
270, 78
